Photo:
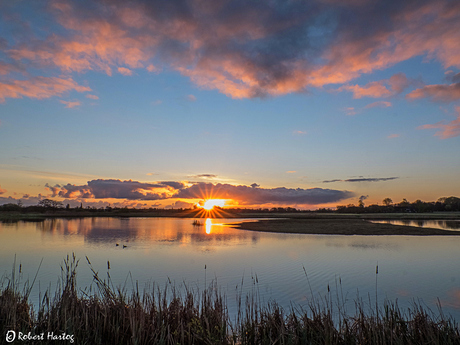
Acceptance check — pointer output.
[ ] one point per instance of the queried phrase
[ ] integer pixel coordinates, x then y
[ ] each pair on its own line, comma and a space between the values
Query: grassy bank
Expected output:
167, 316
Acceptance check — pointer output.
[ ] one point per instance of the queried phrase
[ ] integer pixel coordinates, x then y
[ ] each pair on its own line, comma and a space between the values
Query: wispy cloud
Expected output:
92, 97
392, 136
437, 93
125, 71
205, 176
363, 179
447, 130
379, 104
2, 191
71, 104
379, 89
191, 98
299, 132
39, 88
291, 172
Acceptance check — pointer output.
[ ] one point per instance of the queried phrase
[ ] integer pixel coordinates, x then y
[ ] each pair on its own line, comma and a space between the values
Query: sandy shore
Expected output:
339, 227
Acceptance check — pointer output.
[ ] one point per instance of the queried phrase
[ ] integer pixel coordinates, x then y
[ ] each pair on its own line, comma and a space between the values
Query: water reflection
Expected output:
208, 226
173, 249
109, 231
434, 224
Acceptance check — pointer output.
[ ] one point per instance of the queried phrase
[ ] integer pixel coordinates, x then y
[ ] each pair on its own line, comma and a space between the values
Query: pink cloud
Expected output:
299, 132
125, 71
92, 96
244, 50
447, 130
379, 89
392, 136
380, 104
350, 111
39, 88
438, 93
71, 104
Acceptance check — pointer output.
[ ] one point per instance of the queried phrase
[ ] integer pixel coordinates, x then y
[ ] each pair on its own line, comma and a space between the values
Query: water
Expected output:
159, 250
434, 224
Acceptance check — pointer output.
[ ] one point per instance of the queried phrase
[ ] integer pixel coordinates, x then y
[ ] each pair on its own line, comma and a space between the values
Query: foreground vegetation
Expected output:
111, 316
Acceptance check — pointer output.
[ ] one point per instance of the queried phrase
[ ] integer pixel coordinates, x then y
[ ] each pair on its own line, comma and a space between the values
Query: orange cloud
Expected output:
378, 89
439, 93
125, 71
449, 130
39, 88
374, 89
71, 104
392, 136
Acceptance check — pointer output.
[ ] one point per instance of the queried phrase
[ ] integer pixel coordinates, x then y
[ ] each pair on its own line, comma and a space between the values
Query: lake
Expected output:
162, 250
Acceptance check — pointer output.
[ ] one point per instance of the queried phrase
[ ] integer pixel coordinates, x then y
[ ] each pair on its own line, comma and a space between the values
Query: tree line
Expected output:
444, 204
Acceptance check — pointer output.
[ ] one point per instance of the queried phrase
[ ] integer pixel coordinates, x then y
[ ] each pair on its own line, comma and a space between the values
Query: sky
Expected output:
305, 104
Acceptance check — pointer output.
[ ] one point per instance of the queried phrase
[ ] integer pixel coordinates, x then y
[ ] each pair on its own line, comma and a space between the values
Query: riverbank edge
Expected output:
343, 226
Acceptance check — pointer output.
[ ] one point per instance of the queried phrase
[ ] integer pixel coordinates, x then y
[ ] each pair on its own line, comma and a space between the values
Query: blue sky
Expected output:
226, 94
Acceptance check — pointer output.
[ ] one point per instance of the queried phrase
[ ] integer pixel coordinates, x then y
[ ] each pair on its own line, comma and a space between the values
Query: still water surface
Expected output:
434, 224
159, 250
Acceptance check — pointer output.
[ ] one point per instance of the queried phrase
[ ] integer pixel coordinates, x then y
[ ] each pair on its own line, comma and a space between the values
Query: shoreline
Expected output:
323, 226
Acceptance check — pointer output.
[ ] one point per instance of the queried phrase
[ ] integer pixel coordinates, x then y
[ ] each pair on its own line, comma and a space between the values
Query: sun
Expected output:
209, 204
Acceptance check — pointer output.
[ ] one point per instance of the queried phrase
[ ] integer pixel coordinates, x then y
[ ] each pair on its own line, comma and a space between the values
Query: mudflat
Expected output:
339, 227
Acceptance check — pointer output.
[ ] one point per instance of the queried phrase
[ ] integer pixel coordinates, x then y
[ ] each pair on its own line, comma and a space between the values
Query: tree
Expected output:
48, 203
361, 203
404, 203
387, 201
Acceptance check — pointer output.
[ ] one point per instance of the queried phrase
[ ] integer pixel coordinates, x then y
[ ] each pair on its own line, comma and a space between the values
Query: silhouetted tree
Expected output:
387, 201
48, 203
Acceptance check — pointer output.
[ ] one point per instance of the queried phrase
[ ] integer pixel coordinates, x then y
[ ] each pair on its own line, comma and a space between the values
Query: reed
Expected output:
169, 315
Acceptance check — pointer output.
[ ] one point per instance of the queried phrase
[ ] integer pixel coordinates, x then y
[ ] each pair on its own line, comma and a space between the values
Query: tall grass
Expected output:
110, 315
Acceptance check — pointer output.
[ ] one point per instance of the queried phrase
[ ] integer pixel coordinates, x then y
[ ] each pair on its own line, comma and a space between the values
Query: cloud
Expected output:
181, 204
247, 195
256, 195
117, 189
437, 93
71, 104
378, 89
247, 49
299, 132
191, 98
363, 197
350, 111
125, 71
2, 191
448, 130
363, 179
92, 96
291, 172
205, 176
392, 136
39, 88
380, 104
